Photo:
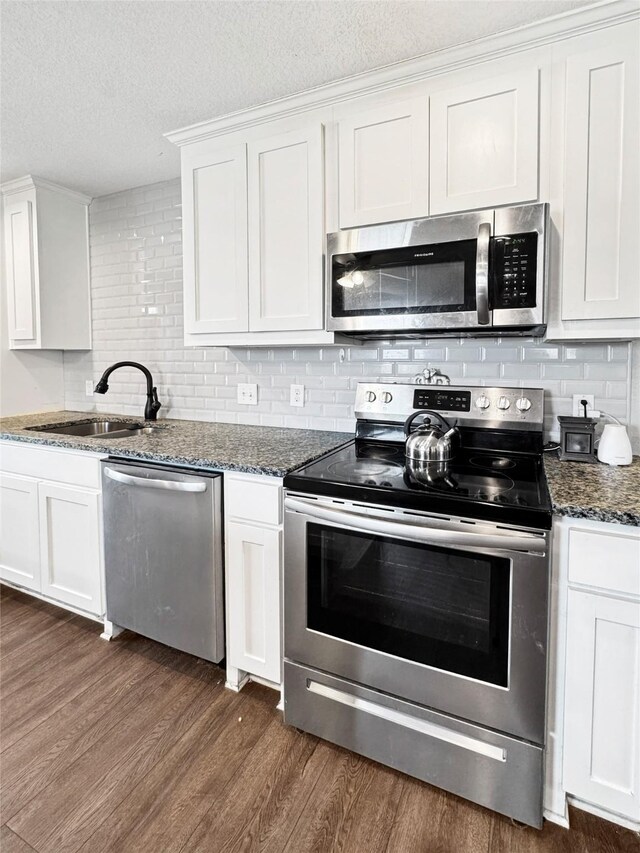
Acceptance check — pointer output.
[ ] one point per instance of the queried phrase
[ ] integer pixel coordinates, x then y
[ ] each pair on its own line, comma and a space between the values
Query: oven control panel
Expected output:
442, 400
504, 408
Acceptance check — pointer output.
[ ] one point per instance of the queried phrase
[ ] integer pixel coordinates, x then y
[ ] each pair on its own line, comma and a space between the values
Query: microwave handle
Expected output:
482, 273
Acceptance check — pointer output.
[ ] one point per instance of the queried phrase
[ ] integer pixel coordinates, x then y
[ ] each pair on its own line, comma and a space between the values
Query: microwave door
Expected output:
424, 287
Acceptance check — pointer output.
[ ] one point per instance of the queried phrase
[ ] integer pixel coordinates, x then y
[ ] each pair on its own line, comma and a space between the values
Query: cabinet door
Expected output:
19, 531
214, 210
484, 143
20, 271
286, 216
601, 252
253, 556
70, 552
602, 703
384, 164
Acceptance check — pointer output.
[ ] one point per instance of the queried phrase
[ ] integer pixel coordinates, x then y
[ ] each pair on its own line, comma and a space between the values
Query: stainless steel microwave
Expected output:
480, 273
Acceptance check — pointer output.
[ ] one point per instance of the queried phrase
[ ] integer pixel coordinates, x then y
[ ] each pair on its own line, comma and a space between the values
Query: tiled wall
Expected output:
136, 264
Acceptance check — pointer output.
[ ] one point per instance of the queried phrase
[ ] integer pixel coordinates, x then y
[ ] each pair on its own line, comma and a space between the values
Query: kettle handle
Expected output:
409, 421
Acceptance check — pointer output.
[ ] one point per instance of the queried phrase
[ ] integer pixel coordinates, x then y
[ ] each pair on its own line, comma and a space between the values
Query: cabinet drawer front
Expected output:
255, 499
76, 469
610, 561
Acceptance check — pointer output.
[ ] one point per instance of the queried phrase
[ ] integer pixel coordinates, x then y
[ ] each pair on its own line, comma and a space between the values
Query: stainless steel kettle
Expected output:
429, 442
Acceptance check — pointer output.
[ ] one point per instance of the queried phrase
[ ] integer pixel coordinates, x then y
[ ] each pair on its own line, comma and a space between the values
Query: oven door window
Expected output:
437, 606
418, 280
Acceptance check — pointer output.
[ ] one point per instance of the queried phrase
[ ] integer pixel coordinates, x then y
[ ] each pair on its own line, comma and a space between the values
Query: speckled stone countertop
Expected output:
273, 451
596, 491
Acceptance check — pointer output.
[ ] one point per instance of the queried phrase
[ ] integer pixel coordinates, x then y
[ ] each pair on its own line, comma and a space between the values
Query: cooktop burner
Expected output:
496, 473
492, 482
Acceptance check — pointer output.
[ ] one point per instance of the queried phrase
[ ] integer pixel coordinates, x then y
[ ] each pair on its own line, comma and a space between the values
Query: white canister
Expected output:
614, 447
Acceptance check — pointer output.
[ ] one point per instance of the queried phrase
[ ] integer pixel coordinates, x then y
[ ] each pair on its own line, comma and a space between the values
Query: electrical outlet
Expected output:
248, 394
88, 387
296, 395
578, 410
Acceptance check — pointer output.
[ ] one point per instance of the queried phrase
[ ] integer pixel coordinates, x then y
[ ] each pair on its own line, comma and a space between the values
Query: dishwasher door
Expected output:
163, 554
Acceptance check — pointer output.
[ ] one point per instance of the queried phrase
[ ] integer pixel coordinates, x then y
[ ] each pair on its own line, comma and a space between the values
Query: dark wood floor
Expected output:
129, 746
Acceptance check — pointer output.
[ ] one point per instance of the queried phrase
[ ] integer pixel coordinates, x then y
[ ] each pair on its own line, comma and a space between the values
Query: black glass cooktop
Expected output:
477, 483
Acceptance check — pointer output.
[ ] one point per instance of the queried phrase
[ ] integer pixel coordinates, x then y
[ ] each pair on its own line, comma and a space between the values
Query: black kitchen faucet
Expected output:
153, 404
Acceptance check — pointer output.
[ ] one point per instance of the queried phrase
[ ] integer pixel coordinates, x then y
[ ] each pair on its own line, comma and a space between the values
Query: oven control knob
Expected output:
387, 397
370, 396
503, 403
483, 402
523, 404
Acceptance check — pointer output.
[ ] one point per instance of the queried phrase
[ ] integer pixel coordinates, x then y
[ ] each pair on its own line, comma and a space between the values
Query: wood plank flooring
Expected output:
132, 747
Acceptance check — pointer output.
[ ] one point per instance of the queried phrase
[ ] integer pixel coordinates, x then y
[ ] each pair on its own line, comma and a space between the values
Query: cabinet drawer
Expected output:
61, 466
253, 498
610, 561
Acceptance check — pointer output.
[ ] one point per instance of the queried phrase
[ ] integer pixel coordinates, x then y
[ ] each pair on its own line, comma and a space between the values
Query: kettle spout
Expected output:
451, 432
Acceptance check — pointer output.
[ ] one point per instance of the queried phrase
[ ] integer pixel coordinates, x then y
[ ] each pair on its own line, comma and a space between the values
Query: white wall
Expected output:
136, 256
29, 381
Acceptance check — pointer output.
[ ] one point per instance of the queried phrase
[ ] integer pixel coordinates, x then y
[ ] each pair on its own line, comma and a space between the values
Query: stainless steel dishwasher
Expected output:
163, 554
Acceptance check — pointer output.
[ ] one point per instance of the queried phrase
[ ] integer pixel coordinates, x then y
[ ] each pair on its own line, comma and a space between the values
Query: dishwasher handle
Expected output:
148, 483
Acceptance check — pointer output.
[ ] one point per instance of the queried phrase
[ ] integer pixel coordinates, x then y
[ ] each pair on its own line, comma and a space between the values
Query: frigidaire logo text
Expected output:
423, 255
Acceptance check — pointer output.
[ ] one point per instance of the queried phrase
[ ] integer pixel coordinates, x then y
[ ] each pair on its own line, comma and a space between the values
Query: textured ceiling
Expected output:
88, 88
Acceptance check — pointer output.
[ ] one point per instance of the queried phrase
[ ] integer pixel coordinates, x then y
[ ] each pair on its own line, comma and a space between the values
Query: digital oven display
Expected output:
440, 400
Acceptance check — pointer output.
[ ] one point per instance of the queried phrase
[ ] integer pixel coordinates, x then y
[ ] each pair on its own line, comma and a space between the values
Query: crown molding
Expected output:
567, 25
31, 182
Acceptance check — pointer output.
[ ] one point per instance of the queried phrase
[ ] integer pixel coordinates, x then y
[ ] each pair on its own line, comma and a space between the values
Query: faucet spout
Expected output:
152, 405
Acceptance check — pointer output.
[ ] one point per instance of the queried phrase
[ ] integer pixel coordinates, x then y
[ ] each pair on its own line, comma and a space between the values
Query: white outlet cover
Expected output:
248, 393
578, 410
296, 395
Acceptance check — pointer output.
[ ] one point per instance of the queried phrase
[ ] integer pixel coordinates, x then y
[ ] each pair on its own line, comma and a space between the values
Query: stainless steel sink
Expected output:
99, 429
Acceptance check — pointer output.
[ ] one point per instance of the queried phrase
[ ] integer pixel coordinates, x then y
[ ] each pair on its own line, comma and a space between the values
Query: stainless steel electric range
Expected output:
416, 595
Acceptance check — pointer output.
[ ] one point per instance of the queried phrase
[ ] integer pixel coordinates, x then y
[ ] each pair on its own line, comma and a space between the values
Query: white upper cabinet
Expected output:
484, 143
214, 211
286, 231
46, 270
601, 249
384, 163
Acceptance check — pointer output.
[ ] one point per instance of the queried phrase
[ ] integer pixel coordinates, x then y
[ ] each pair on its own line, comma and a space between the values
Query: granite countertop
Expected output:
596, 491
273, 451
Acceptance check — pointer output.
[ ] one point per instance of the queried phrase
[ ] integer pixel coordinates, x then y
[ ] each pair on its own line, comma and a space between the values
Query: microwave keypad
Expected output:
514, 271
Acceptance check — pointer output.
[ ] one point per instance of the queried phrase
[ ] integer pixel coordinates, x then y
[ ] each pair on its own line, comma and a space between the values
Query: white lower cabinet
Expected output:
599, 578
19, 531
70, 545
253, 572
51, 531
602, 711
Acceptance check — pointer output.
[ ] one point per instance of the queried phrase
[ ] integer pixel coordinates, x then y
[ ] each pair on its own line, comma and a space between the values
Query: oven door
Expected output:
411, 276
448, 613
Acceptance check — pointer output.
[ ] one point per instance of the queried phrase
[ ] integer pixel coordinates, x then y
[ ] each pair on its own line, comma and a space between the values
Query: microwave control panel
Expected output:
514, 268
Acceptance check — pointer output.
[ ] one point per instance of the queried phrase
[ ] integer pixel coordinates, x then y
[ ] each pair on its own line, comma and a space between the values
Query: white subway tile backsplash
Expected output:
136, 265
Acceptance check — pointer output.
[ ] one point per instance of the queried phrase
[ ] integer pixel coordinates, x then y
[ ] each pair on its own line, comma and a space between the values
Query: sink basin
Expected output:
96, 429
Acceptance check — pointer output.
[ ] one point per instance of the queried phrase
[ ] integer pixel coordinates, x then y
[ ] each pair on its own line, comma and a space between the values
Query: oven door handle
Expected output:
427, 535
482, 273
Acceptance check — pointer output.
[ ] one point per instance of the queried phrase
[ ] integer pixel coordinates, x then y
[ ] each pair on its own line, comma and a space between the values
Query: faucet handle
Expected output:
153, 404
